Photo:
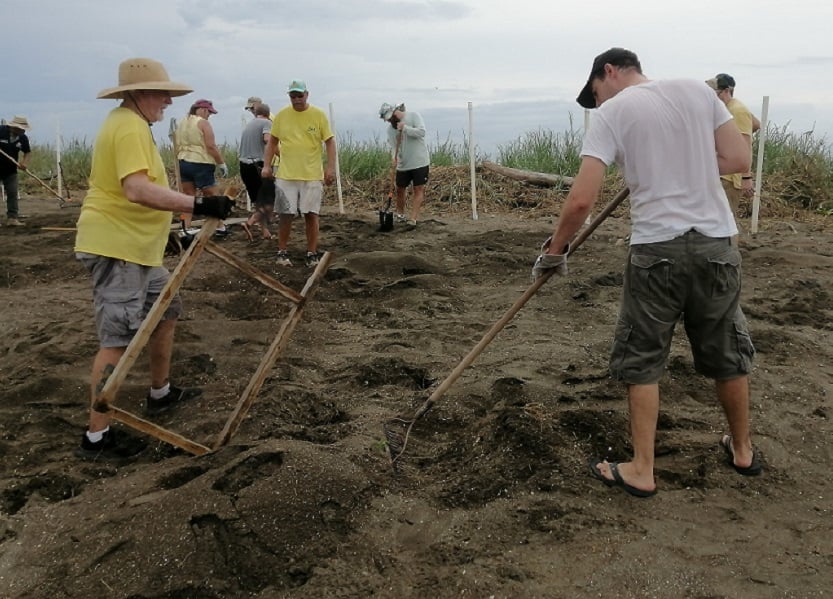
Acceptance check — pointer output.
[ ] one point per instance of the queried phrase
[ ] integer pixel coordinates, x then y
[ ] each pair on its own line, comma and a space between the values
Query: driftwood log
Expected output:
542, 179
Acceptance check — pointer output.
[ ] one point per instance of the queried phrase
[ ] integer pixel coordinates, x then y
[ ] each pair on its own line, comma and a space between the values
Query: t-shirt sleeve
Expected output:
599, 142
129, 153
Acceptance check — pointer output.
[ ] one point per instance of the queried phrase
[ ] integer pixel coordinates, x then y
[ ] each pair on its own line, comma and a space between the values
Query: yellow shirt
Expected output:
301, 135
190, 141
743, 119
109, 224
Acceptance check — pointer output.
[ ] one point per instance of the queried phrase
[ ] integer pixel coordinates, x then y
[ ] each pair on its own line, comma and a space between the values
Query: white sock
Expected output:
97, 436
161, 392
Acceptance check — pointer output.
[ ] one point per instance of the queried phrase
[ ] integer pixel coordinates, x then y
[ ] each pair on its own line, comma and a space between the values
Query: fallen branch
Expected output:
543, 179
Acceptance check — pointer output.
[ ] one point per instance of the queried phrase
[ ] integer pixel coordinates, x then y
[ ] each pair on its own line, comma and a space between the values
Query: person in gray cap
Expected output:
13, 143
670, 140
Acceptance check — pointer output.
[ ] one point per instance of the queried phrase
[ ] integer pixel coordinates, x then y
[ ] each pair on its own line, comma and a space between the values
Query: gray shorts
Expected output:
123, 293
694, 278
298, 197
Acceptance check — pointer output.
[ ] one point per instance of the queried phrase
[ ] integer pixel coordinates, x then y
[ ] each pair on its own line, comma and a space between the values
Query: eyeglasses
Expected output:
296, 95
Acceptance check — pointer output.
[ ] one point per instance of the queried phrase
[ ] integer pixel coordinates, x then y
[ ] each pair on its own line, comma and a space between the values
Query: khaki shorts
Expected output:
693, 278
123, 293
734, 196
298, 197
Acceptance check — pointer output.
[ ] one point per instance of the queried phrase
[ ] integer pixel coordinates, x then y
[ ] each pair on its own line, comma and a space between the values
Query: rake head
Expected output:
397, 431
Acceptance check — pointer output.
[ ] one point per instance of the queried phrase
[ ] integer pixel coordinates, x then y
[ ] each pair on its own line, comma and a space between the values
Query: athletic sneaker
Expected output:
313, 258
13, 222
110, 447
283, 258
172, 400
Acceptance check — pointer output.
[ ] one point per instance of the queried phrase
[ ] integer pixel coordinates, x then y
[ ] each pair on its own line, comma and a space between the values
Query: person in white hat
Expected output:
122, 231
13, 142
411, 158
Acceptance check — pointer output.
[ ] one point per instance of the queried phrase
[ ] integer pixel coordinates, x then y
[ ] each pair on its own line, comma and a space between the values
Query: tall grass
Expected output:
798, 168
544, 151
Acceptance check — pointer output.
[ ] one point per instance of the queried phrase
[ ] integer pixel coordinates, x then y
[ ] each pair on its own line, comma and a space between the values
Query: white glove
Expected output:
545, 261
223, 170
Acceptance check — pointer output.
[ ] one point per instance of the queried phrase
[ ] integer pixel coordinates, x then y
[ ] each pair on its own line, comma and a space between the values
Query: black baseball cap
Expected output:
721, 81
618, 57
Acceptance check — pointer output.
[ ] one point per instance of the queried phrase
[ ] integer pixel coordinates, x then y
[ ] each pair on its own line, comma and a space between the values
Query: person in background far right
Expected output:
736, 185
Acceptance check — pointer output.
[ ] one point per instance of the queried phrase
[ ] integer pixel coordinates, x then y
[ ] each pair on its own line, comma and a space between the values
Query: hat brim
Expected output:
117, 93
585, 97
18, 126
303, 91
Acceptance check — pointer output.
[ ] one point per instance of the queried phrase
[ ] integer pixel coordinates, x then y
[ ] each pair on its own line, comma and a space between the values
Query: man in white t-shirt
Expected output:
670, 139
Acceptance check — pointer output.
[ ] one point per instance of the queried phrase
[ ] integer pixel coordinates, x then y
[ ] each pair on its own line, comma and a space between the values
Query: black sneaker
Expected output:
174, 397
110, 447
313, 258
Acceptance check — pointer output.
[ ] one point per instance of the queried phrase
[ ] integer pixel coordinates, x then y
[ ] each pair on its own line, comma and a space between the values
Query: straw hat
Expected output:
19, 122
143, 74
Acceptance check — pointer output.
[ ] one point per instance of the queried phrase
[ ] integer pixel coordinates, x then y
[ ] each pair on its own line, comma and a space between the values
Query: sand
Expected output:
492, 497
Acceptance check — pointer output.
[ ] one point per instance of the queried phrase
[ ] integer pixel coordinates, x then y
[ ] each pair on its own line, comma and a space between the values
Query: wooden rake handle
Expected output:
519, 303
44, 185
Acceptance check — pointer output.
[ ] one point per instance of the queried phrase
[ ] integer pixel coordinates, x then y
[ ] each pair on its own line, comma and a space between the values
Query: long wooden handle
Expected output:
52, 191
519, 303
393, 170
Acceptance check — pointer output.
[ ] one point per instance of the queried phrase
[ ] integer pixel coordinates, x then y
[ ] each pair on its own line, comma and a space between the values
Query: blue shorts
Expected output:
693, 278
123, 294
201, 174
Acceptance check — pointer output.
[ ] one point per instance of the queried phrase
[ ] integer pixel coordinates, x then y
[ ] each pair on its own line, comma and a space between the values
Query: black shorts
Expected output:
417, 176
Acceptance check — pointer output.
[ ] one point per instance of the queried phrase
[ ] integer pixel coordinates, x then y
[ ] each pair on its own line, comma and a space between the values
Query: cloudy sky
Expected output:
519, 62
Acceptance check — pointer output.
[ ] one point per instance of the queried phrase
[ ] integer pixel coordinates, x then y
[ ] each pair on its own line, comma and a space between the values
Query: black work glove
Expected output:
213, 206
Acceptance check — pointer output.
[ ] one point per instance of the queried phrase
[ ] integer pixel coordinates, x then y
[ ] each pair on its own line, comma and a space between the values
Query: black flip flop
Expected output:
617, 480
753, 469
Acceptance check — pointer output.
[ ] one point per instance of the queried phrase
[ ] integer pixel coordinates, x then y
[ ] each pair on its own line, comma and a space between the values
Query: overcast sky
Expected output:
520, 63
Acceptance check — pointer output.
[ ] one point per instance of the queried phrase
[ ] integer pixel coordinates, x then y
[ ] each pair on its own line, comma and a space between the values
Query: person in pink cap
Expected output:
198, 154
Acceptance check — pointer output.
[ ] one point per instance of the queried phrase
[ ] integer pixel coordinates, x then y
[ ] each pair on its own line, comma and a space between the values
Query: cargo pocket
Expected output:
725, 273
650, 276
746, 351
620, 350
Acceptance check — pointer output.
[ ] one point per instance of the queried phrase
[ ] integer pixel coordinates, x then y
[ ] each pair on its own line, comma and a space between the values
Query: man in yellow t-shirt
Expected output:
737, 185
300, 129
123, 227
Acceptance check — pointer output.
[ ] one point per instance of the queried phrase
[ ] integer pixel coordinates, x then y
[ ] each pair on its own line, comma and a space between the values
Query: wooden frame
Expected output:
202, 242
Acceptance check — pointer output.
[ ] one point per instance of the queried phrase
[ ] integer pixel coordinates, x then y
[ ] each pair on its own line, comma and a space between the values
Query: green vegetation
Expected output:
544, 151
798, 168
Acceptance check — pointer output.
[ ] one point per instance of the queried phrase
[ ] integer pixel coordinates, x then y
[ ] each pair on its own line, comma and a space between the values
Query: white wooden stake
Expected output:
58, 159
756, 201
472, 165
338, 170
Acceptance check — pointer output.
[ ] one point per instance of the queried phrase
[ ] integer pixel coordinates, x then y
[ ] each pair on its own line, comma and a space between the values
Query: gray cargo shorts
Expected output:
123, 294
694, 278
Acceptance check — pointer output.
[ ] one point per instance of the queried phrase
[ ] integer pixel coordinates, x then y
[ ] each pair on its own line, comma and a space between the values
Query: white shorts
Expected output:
299, 197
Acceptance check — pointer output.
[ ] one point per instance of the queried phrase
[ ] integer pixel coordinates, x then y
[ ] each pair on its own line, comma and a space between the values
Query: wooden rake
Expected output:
397, 430
104, 401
